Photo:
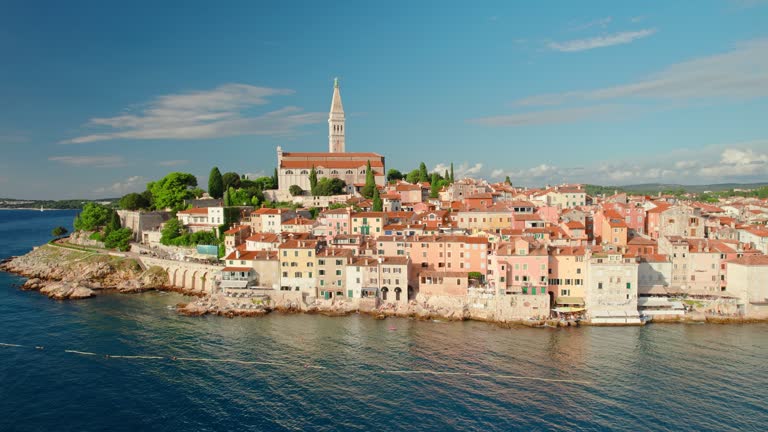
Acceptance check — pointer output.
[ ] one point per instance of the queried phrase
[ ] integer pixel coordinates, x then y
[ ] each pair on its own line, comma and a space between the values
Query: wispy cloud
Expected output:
216, 113
175, 162
564, 115
741, 73
600, 22
122, 187
600, 41
90, 161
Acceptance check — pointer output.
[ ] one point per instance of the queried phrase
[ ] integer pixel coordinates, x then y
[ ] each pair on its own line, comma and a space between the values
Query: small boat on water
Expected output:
41, 209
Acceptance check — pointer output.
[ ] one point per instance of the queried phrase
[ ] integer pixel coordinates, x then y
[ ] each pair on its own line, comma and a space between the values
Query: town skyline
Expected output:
641, 102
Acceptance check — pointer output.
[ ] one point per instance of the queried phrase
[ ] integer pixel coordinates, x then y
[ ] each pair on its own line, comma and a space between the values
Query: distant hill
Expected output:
655, 188
11, 203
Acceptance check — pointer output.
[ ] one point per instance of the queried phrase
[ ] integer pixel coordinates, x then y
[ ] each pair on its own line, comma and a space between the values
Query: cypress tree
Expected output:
434, 188
215, 183
370, 182
423, 174
452, 179
274, 179
313, 181
378, 204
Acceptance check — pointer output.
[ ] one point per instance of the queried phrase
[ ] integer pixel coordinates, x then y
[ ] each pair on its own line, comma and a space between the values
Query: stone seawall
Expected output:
194, 278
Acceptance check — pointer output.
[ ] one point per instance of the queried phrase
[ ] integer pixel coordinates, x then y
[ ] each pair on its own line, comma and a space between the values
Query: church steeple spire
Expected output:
336, 121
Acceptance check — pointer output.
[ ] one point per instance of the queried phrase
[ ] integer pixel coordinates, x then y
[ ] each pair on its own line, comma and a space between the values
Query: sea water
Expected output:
353, 373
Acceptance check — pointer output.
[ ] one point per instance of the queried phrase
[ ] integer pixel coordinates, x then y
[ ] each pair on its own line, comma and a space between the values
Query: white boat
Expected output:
41, 209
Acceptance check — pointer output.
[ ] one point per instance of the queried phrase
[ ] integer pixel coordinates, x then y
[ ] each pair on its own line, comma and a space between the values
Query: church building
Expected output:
293, 167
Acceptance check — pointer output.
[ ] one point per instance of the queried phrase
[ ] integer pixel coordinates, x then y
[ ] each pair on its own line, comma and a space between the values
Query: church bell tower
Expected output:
336, 122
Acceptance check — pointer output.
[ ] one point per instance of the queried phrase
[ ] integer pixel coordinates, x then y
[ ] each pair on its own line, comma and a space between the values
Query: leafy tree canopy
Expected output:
59, 231
119, 239
231, 179
172, 190
295, 190
93, 217
330, 186
134, 201
394, 174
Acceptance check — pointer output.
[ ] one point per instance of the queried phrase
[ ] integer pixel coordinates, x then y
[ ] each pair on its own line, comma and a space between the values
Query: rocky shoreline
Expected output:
70, 274
67, 274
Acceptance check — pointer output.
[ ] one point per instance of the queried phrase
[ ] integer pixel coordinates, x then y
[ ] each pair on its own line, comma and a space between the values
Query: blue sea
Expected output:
306, 372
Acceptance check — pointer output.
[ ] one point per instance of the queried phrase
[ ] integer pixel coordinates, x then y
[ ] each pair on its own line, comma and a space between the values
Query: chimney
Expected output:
237, 253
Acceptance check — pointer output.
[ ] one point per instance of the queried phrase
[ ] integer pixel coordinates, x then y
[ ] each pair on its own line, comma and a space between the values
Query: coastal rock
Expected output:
33, 284
66, 291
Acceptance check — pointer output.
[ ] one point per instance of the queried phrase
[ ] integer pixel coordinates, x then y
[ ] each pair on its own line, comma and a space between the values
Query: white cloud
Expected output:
601, 22
459, 171
735, 162
731, 162
90, 161
131, 184
220, 112
685, 164
600, 41
175, 162
565, 115
741, 73
257, 174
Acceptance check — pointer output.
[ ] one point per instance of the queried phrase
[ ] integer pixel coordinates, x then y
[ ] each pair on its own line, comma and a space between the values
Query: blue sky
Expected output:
97, 99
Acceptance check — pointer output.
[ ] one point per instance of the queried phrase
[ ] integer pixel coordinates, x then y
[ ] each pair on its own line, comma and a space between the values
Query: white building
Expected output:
748, 280
611, 289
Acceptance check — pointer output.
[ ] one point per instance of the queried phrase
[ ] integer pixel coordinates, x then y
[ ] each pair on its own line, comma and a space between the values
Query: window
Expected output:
321, 262
338, 272
599, 285
629, 285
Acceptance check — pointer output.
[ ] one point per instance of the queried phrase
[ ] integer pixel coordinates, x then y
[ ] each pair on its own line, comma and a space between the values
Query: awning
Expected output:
567, 309
573, 301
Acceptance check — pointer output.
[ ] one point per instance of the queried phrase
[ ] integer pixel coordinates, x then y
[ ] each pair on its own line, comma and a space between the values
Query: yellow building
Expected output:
298, 265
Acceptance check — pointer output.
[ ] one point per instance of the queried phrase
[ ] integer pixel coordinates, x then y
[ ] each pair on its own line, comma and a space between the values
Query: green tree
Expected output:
133, 201
508, 181
370, 182
446, 177
172, 190
172, 230
434, 186
330, 186
274, 179
113, 224
378, 204
93, 217
215, 183
452, 179
119, 239
295, 190
313, 181
231, 179
393, 175
59, 231
413, 176
423, 174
